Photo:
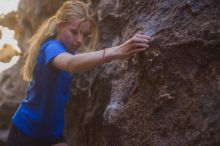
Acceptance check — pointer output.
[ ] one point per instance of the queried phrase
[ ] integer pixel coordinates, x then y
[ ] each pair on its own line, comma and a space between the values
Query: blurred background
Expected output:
8, 43
18, 21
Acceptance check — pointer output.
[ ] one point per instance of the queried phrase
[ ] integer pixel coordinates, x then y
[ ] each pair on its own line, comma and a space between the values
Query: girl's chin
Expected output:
73, 50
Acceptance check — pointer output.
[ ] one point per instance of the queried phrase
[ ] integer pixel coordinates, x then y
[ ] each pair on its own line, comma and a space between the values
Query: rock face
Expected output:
167, 96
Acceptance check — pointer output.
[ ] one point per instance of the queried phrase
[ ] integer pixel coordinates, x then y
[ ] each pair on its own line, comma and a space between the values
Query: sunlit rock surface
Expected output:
7, 52
167, 96
10, 20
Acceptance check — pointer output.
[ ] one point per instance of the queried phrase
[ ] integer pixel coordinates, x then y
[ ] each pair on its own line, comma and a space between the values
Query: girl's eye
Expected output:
74, 32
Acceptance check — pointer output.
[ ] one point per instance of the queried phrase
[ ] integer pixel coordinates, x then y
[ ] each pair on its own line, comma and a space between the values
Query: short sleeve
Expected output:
51, 50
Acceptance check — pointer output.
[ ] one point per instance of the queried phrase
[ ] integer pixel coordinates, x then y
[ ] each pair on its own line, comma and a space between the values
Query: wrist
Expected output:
112, 53
108, 54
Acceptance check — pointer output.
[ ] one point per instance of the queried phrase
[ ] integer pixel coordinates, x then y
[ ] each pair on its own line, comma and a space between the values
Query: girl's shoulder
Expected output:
49, 42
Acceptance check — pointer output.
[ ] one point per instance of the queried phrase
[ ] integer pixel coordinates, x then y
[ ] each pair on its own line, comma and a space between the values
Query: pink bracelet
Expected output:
103, 55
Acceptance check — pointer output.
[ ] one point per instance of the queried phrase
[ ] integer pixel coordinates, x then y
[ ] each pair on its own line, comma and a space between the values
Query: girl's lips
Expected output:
75, 47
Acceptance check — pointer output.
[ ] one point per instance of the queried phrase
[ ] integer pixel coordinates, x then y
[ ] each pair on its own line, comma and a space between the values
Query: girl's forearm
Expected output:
86, 61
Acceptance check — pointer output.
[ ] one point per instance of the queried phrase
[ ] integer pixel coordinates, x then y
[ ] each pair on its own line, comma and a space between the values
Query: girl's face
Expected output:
73, 33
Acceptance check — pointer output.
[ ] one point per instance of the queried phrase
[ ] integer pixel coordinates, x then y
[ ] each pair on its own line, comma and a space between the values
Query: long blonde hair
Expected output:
47, 31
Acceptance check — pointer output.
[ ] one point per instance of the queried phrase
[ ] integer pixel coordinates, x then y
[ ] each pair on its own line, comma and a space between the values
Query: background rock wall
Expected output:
167, 96
30, 15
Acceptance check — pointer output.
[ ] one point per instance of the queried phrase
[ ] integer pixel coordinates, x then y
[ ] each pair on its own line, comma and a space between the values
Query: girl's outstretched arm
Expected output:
85, 61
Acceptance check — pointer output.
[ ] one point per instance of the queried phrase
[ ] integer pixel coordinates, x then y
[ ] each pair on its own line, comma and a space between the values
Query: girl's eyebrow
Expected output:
84, 33
73, 28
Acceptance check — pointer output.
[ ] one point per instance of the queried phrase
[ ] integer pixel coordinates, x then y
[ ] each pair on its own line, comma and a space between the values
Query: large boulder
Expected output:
167, 96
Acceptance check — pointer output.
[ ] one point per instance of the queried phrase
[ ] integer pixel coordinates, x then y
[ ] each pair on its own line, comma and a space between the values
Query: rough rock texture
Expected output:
167, 96
11, 92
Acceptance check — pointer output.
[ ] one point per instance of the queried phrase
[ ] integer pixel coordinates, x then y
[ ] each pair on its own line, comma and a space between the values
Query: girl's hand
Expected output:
138, 43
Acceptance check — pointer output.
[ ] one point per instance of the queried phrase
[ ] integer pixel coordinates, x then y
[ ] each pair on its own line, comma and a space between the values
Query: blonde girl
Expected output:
52, 58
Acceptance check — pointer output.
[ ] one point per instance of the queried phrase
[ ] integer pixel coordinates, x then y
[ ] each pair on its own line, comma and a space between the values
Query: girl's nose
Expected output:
79, 40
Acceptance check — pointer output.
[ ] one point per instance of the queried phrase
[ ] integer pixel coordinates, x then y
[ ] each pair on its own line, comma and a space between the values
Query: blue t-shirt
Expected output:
40, 114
